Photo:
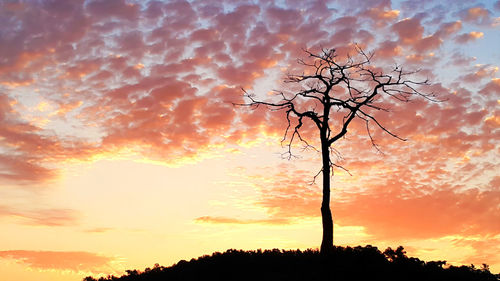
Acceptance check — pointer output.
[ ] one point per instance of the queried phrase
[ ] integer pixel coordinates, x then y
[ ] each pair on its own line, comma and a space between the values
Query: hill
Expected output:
345, 263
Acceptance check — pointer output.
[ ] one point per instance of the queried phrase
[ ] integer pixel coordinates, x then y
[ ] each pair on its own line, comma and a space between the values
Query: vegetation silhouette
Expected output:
343, 263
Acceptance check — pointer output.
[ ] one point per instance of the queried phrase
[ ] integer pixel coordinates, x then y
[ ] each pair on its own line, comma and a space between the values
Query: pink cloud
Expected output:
477, 15
103, 9
24, 50
461, 60
491, 88
131, 43
31, 148
469, 37
381, 17
347, 21
388, 49
449, 28
179, 15
428, 43
17, 169
480, 72
204, 35
154, 10
410, 31
232, 25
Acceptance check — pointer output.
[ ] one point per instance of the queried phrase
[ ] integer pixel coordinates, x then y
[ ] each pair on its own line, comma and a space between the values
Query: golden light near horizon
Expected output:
121, 147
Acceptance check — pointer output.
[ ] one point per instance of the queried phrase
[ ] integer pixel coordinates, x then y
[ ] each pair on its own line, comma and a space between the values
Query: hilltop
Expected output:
345, 263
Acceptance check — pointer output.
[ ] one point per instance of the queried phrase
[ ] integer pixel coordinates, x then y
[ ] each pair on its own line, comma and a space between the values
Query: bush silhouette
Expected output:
344, 263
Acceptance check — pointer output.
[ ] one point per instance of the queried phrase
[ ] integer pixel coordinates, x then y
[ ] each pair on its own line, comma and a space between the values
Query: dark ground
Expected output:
345, 263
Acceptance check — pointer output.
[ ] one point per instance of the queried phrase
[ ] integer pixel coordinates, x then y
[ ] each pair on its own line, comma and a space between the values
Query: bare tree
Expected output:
332, 92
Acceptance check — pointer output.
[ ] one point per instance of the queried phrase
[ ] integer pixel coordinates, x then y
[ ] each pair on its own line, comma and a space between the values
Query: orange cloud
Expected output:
65, 108
52, 260
226, 220
441, 213
393, 208
484, 249
98, 230
42, 217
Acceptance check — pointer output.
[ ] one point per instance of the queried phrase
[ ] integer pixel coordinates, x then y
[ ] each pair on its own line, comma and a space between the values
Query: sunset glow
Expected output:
120, 146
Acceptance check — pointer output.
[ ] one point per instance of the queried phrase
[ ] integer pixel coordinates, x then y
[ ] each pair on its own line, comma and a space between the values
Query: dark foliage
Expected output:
344, 263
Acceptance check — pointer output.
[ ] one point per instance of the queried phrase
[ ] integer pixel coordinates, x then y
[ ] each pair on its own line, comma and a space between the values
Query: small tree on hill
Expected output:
332, 92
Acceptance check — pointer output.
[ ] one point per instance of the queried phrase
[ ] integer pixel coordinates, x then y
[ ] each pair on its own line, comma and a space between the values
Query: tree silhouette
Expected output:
353, 264
332, 92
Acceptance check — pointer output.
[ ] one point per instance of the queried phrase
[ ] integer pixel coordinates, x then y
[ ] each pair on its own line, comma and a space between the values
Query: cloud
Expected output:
491, 87
480, 72
409, 31
161, 78
381, 17
388, 49
22, 169
484, 249
24, 51
120, 9
476, 15
98, 230
228, 220
392, 204
448, 28
459, 59
428, 43
469, 37
440, 213
42, 217
52, 260
26, 149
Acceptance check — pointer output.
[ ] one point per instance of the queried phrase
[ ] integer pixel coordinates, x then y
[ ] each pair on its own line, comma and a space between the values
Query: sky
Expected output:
120, 146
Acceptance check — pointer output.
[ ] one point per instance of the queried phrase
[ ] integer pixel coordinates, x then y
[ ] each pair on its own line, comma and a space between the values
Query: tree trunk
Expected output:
326, 214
